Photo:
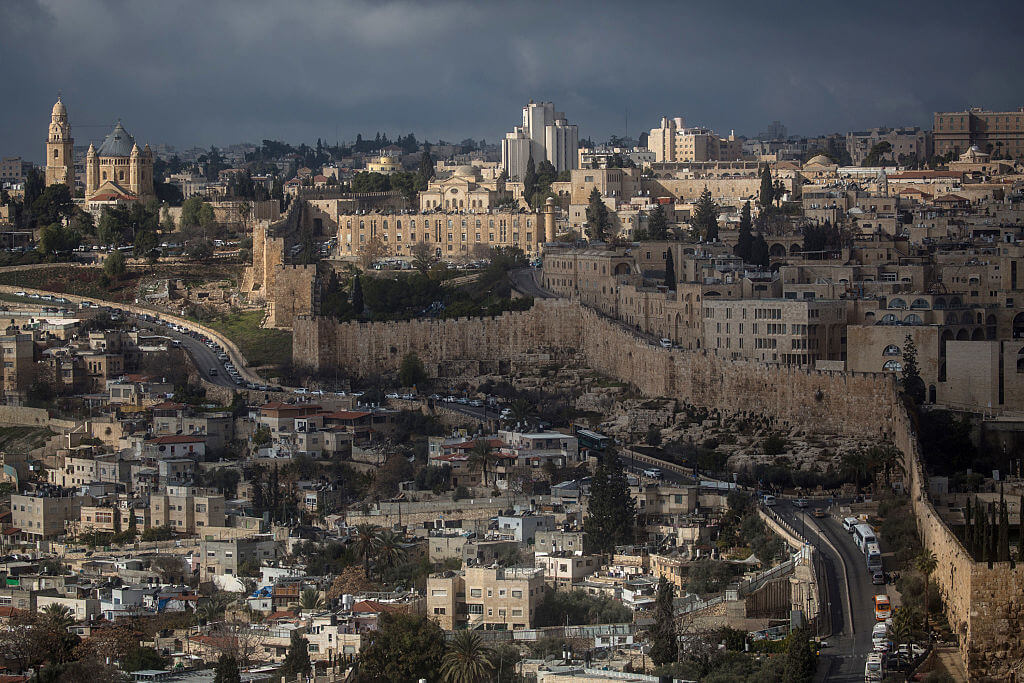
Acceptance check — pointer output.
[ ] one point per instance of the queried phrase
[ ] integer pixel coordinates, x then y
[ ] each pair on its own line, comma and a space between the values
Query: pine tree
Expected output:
705, 216
913, 385
357, 295
297, 660
663, 637
767, 194
745, 239
800, 660
227, 670
597, 217
670, 271
657, 223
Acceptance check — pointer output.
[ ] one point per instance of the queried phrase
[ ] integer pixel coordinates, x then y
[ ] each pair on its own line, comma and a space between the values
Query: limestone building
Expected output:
545, 134
672, 141
463, 190
498, 598
998, 132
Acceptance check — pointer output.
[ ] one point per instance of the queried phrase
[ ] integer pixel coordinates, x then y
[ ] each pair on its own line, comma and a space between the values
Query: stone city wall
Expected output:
983, 604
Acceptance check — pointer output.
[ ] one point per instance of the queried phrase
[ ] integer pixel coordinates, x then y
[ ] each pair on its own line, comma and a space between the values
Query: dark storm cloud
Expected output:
194, 72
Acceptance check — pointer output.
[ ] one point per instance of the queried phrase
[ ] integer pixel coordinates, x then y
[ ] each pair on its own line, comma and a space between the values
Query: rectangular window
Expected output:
475, 592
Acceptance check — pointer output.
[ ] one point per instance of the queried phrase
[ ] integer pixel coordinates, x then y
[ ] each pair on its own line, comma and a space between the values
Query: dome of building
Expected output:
819, 160
118, 144
59, 109
465, 172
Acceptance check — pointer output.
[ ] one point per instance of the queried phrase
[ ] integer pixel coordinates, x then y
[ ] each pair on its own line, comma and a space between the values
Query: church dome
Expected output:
819, 160
59, 109
118, 144
468, 172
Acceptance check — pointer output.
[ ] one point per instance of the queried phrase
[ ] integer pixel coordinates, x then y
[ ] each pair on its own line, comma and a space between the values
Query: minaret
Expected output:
92, 171
133, 171
60, 158
549, 220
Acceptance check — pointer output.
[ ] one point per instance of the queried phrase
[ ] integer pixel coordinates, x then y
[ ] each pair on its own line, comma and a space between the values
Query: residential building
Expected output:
218, 558
544, 135
46, 513
672, 141
186, 509
491, 598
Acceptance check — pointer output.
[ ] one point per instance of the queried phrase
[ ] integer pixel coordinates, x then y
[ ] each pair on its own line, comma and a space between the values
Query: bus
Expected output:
873, 556
592, 440
862, 535
883, 609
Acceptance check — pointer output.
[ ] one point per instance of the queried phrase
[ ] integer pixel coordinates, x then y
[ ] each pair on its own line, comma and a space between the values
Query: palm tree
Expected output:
310, 599
902, 626
855, 466
390, 550
520, 410
467, 659
58, 618
480, 456
367, 540
926, 562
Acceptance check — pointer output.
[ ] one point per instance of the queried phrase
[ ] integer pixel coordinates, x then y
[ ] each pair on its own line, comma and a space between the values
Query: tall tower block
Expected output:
60, 159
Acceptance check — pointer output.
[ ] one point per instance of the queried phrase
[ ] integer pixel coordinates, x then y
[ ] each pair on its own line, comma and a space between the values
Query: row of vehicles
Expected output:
867, 542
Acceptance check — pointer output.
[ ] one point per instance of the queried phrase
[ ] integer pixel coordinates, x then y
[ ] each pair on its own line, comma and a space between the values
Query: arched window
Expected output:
888, 319
892, 366
939, 304
897, 303
1020, 361
912, 319
919, 303
892, 350
955, 302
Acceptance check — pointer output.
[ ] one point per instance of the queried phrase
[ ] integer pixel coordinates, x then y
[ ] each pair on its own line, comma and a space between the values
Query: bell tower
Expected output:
60, 159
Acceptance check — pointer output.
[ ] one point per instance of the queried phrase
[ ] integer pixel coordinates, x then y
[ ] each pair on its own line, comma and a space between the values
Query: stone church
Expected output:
118, 170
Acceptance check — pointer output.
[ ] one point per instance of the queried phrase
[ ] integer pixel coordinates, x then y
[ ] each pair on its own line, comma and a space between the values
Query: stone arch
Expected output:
1018, 326
898, 303
990, 327
913, 319
892, 365
795, 248
939, 303
892, 350
888, 319
963, 335
978, 334
621, 269
919, 303
777, 250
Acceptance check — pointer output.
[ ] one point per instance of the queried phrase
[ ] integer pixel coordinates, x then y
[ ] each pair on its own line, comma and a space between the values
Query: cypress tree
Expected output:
426, 164
1004, 531
664, 641
357, 295
767, 193
705, 216
745, 239
530, 181
597, 216
759, 255
670, 271
611, 510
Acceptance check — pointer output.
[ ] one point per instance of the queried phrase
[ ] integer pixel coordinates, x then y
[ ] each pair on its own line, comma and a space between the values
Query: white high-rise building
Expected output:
545, 134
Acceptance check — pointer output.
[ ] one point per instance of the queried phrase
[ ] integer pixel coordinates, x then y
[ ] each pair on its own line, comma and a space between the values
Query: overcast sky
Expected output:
206, 72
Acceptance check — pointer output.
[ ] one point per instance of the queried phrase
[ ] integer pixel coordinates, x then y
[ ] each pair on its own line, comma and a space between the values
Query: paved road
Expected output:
525, 281
204, 358
849, 592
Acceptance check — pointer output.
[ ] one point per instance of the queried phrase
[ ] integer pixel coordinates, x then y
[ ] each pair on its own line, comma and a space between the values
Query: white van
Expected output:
652, 472
873, 668
849, 523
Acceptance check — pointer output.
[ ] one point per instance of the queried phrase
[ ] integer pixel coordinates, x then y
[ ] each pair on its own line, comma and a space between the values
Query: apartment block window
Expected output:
475, 592
517, 594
